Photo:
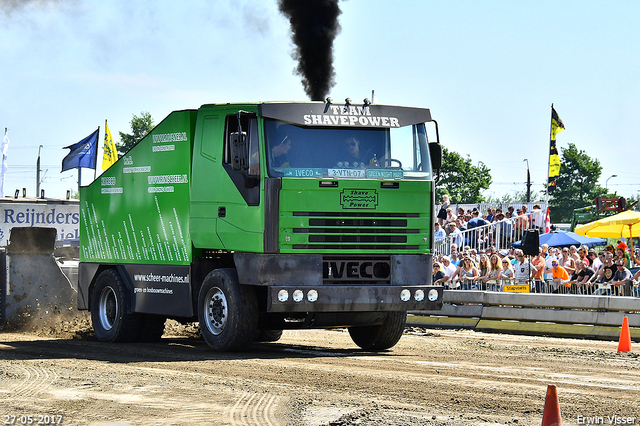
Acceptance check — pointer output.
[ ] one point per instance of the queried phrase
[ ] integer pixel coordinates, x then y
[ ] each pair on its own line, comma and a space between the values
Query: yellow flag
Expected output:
110, 155
554, 159
556, 124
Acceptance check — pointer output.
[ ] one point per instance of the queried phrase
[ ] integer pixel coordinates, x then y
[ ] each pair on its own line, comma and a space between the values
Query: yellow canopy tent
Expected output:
625, 224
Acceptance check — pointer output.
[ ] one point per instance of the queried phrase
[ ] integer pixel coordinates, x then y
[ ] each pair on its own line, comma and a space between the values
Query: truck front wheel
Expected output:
227, 311
110, 321
380, 337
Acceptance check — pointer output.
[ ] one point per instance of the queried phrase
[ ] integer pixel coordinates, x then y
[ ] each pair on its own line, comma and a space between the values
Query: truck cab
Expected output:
282, 216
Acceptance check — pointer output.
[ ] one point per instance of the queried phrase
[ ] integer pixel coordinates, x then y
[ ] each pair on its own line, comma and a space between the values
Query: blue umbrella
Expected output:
566, 239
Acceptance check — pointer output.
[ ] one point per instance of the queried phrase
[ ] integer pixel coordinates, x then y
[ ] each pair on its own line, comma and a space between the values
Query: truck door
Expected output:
240, 223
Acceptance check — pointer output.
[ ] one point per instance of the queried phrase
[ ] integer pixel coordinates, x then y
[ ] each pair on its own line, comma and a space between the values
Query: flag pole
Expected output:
38, 173
4, 161
104, 144
95, 166
556, 127
549, 162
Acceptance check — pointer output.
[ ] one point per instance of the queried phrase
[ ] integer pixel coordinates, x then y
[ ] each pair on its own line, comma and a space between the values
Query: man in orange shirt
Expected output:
560, 275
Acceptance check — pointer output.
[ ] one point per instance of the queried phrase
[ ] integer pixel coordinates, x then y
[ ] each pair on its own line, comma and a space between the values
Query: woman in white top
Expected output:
507, 271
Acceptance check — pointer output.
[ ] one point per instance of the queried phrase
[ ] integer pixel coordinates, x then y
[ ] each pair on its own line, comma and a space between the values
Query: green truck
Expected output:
256, 218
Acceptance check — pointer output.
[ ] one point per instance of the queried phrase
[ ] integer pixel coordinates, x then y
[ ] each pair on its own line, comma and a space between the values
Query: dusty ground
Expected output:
432, 377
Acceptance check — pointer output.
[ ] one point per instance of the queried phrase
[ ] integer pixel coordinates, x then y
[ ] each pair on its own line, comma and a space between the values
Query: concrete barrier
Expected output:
530, 313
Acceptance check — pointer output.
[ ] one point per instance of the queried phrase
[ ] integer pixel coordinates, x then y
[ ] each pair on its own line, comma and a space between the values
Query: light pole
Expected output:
606, 184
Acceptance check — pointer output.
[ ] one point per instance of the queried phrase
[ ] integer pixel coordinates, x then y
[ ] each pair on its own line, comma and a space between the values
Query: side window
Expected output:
230, 129
241, 155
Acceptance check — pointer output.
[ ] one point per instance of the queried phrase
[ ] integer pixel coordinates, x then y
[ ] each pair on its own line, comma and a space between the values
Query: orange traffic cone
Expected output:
625, 337
551, 415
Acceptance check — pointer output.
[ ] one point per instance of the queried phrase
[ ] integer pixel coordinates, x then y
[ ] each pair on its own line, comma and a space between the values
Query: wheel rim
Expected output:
108, 308
216, 311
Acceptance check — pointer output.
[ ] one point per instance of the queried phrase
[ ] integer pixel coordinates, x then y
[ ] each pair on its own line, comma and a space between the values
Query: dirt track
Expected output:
312, 378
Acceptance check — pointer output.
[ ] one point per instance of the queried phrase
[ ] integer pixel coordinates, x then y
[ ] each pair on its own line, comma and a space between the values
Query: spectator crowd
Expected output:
495, 228
474, 252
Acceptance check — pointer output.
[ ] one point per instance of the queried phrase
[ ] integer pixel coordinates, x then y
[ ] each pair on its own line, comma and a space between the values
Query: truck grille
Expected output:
356, 231
367, 269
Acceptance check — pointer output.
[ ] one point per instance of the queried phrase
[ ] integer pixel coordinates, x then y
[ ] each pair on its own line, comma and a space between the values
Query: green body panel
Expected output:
137, 211
172, 195
242, 227
278, 192
356, 216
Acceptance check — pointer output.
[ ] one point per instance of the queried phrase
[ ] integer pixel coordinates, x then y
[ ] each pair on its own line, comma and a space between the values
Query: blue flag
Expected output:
83, 153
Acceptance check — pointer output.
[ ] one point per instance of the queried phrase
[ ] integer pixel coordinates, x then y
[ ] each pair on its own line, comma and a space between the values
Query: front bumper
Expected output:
358, 298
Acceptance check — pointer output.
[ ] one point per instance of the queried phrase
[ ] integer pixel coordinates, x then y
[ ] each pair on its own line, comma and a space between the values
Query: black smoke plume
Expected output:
11, 6
314, 26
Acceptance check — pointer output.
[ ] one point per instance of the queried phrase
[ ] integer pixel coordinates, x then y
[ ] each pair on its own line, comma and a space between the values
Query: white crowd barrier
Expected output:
566, 315
501, 235
627, 289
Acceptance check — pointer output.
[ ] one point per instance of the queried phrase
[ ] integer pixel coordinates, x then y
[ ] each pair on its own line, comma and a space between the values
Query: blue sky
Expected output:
488, 70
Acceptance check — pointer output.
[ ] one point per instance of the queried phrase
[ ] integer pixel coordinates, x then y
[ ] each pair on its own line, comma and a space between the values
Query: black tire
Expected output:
110, 321
380, 337
152, 328
227, 311
268, 335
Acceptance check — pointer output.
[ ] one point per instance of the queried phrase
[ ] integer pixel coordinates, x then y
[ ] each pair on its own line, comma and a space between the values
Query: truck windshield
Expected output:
338, 152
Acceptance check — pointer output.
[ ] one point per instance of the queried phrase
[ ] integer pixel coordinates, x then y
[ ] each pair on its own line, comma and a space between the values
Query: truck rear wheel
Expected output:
227, 311
110, 321
380, 337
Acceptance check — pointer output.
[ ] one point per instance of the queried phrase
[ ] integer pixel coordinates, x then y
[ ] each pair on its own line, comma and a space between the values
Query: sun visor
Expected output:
318, 114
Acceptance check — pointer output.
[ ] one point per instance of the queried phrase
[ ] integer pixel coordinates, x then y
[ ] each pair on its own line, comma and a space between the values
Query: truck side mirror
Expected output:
240, 158
435, 151
239, 151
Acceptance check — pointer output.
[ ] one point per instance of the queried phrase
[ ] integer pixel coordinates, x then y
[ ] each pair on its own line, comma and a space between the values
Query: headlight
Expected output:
283, 295
419, 295
298, 295
405, 295
312, 295
433, 295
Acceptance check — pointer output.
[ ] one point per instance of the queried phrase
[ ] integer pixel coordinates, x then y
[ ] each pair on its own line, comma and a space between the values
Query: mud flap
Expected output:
37, 290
